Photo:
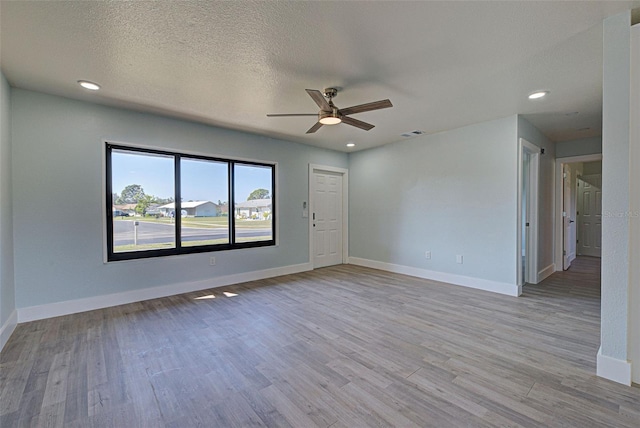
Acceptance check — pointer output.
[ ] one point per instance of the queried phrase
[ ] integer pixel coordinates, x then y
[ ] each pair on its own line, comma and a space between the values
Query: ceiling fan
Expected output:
329, 114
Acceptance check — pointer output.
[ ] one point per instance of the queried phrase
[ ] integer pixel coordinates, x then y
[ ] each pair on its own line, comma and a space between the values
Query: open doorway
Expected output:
578, 208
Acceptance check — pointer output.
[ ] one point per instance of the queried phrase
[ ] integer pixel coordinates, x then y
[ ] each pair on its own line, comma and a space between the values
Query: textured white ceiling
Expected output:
442, 64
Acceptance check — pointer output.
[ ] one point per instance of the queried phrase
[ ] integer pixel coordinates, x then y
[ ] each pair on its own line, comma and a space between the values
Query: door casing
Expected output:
634, 206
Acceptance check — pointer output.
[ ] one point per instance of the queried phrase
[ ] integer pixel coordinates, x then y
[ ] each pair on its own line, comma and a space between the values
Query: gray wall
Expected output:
615, 185
58, 198
450, 193
546, 190
7, 288
585, 146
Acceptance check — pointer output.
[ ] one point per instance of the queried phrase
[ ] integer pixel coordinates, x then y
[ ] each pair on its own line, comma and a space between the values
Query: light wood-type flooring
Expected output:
343, 346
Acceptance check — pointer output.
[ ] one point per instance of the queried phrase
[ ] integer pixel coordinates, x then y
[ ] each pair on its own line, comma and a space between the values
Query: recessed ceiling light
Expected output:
351, 144
537, 94
89, 85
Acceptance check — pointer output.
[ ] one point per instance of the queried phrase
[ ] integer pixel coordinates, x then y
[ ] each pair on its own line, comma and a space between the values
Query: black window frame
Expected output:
179, 249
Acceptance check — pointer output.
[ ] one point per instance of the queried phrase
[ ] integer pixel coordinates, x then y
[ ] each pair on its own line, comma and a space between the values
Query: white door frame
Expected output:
558, 220
532, 208
345, 209
634, 207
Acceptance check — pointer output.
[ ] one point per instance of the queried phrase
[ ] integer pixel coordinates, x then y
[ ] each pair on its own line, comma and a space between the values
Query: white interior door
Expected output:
568, 215
531, 224
526, 226
327, 218
528, 178
590, 215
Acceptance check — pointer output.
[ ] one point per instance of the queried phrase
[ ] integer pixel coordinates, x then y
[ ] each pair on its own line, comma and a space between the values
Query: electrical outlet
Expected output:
212, 261
459, 259
427, 255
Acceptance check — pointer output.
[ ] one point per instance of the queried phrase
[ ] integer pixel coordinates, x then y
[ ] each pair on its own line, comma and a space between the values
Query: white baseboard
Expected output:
546, 272
613, 369
68, 307
7, 328
465, 281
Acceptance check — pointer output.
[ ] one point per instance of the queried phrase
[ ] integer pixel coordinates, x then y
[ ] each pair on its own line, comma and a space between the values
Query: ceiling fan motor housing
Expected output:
330, 92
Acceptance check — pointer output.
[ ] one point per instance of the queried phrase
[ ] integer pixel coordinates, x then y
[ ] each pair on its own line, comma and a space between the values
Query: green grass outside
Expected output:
203, 222
123, 248
143, 247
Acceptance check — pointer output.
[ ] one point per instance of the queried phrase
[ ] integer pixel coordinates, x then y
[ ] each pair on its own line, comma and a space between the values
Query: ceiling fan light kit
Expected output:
329, 114
329, 118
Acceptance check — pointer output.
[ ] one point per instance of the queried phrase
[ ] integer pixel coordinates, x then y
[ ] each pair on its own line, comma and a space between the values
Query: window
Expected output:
163, 203
253, 208
204, 188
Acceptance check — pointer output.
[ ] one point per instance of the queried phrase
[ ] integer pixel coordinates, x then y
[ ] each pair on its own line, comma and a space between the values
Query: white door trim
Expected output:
634, 207
557, 217
345, 209
532, 207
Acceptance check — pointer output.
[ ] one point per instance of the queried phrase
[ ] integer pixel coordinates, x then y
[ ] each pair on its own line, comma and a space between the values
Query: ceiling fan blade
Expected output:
314, 128
357, 123
292, 114
319, 99
376, 105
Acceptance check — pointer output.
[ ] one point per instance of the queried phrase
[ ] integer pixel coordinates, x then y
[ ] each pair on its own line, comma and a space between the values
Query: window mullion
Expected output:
232, 204
178, 204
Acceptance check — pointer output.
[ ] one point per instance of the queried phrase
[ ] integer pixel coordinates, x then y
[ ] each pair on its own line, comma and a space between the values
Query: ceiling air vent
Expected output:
412, 133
